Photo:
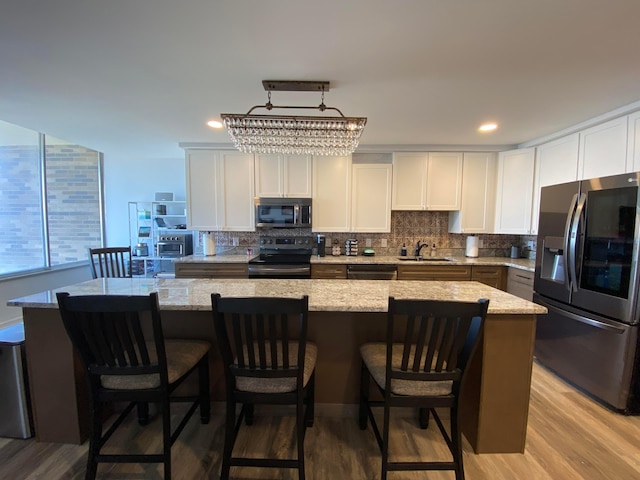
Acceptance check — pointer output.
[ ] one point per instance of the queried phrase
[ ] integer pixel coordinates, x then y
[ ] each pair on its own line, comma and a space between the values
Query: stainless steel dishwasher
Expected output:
372, 272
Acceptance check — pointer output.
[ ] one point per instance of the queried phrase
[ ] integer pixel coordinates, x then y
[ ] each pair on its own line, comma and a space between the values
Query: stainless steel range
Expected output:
282, 257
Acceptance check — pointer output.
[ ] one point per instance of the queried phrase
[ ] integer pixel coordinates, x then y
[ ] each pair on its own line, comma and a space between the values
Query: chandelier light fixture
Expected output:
290, 134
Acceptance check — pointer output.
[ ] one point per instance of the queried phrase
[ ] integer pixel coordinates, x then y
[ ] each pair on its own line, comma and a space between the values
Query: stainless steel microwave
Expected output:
283, 212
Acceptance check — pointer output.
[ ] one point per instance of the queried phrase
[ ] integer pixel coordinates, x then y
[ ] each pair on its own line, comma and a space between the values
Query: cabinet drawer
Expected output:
521, 276
328, 271
211, 270
493, 276
434, 272
520, 283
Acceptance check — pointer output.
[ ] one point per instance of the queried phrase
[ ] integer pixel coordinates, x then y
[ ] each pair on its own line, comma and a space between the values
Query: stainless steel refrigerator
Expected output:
587, 277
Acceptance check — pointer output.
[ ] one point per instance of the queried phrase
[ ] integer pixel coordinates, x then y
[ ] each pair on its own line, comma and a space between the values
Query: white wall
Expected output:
127, 180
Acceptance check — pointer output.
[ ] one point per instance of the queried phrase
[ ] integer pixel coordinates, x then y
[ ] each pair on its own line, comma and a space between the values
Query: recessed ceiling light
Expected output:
488, 127
214, 124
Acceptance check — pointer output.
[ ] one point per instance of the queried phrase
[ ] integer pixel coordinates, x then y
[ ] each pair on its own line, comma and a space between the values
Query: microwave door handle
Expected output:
573, 241
296, 214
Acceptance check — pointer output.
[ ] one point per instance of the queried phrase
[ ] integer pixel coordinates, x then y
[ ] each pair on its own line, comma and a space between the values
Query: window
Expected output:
38, 171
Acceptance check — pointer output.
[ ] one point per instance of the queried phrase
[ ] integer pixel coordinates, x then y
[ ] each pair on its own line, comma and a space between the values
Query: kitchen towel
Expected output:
472, 247
208, 244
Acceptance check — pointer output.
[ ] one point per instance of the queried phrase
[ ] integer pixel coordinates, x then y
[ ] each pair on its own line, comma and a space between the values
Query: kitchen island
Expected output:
343, 315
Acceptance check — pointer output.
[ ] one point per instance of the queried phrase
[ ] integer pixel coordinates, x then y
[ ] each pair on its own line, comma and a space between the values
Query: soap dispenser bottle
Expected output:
403, 251
432, 253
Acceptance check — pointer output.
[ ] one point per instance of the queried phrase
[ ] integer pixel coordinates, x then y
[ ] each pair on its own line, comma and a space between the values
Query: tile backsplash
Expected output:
407, 228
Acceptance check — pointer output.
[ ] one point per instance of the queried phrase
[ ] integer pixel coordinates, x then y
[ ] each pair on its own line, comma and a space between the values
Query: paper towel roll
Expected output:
208, 244
472, 247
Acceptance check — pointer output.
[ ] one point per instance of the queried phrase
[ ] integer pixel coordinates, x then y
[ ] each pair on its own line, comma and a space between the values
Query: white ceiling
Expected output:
134, 78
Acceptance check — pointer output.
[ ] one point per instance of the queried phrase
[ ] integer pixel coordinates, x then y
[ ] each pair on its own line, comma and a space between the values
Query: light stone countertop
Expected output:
324, 295
519, 263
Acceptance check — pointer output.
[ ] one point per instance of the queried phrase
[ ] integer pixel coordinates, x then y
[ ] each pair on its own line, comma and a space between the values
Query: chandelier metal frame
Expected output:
291, 134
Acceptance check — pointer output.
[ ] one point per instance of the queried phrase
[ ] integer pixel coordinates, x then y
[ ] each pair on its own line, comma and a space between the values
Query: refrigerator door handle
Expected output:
573, 241
567, 238
588, 321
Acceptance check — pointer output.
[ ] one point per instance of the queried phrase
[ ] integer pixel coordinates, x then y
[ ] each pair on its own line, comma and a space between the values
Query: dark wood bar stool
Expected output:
267, 360
110, 262
124, 365
421, 365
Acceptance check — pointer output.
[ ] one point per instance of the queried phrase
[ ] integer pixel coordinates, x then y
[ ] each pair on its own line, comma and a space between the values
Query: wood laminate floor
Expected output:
569, 437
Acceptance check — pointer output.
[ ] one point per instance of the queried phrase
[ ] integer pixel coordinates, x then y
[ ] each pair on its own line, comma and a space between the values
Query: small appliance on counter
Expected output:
208, 244
141, 250
175, 245
472, 247
322, 244
515, 252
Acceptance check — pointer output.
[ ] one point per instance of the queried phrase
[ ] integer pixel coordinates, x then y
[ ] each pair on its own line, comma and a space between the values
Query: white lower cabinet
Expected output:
371, 197
220, 190
603, 149
331, 207
514, 191
477, 207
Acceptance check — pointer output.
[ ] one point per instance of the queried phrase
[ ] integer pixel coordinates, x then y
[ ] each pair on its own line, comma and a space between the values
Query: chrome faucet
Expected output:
418, 248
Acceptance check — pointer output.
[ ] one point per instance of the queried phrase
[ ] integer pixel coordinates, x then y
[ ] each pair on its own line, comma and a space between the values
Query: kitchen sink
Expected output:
425, 259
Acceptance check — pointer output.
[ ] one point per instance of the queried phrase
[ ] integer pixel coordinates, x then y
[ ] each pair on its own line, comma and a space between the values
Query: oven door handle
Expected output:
264, 270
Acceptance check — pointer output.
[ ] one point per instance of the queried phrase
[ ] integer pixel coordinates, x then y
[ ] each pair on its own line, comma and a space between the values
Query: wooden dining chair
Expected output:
114, 262
421, 365
267, 360
123, 364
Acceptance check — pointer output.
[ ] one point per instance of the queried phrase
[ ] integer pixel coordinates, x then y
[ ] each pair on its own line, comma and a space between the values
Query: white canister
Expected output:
208, 244
472, 247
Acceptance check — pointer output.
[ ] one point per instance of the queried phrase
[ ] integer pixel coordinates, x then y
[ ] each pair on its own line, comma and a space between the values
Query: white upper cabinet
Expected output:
515, 191
202, 198
633, 151
283, 175
409, 181
603, 149
477, 209
444, 181
556, 162
220, 190
427, 181
331, 207
371, 198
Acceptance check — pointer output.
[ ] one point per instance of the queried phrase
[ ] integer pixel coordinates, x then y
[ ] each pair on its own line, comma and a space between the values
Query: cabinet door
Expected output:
269, 175
444, 181
331, 194
603, 150
515, 191
409, 181
297, 176
478, 203
202, 185
236, 193
633, 151
371, 198
556, 162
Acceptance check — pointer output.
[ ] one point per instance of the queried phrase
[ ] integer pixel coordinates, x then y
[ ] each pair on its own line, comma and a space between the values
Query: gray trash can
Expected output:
15, 404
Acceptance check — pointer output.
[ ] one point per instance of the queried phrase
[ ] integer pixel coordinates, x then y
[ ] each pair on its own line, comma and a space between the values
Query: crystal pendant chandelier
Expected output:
289, 134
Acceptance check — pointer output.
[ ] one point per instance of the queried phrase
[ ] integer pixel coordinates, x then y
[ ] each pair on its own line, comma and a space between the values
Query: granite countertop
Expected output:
324, 295
520, 263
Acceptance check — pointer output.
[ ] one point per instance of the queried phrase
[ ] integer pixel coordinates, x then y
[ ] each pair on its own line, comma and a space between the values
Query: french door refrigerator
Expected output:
587, 277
